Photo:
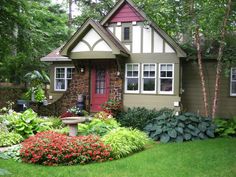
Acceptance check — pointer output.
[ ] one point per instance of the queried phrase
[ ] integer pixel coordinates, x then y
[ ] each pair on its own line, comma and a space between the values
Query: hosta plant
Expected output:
12, 153
98, 127
51, 148
185, 127
125, 141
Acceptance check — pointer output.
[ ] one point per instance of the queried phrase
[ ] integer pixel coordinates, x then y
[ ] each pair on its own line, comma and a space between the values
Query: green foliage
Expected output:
98, 127
56, 122
64, 130
112, 106
9, 139
4, 172
103, 115
26, 123
185, 127
124, 141
225, 127
12, 153
39, 94
29, 30
138, 117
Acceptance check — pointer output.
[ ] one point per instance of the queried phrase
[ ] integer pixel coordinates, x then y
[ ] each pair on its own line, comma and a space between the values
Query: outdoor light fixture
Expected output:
82, 69
118, 73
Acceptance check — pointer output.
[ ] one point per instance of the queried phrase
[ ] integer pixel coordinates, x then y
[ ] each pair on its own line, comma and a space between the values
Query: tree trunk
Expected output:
201, 73
219, 60
70, 16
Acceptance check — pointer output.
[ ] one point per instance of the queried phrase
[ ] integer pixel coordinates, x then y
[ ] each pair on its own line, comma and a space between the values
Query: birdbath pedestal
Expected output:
72, 122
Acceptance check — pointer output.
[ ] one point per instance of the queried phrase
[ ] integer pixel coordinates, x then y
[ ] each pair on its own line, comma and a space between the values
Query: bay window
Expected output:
233, 82
149, 78
63, 76
166, 78
132, 78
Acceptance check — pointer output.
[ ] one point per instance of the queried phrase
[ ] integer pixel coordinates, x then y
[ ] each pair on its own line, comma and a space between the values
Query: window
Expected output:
149, 78
100, 81
63, 77
132, 78
126, 33
166, 78
233, 82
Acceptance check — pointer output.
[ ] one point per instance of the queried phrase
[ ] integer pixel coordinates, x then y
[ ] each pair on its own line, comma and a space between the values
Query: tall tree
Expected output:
219, 58
28, 30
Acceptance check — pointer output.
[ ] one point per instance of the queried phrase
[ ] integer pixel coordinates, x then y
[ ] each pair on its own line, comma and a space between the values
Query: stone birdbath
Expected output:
73, 122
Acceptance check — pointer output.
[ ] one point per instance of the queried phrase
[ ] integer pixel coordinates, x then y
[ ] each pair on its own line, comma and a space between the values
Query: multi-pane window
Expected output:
166, 78
233, 82
100, 81
126, 33
63, 77
149, 78
132, 78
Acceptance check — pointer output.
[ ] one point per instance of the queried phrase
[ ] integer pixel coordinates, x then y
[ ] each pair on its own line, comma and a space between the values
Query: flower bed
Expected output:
51, 148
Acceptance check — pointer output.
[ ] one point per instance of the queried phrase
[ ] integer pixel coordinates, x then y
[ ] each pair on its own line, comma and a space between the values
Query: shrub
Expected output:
112, 106
9, 139
225, 127
185, 127
138, 117
98, 127
64, 130
124, 141
103, 115
50, 148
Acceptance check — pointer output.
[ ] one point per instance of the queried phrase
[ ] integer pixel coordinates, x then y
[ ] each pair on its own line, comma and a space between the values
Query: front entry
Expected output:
100, 87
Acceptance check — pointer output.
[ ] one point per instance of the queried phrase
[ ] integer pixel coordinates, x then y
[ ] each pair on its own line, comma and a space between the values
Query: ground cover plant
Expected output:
209, 158
138, 117
51, 148
185, 127
98, 126
125, 141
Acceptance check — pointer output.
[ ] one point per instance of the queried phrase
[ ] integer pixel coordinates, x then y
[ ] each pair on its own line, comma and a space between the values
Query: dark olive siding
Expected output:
192, 98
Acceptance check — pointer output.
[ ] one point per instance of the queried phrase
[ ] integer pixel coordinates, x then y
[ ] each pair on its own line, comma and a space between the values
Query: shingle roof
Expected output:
55, 56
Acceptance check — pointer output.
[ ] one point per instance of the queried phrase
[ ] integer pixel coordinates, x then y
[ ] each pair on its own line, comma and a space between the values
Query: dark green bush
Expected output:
138, 117
185, 127
225, 127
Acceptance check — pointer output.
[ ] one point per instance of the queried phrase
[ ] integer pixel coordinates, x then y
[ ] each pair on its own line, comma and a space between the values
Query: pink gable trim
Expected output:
126, 14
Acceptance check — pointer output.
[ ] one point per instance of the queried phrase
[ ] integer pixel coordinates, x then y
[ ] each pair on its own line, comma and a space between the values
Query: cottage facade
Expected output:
125, 56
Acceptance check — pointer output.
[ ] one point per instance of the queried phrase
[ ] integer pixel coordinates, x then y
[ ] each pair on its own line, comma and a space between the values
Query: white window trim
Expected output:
159, 79
130, 91
55, 87
231, 81
155, 77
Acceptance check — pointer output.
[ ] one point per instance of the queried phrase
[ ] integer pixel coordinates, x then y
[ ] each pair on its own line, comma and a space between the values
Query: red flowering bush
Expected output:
51, 148
112, 106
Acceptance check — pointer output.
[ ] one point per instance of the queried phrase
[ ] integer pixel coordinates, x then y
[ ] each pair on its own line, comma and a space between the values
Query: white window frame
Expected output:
65, 78
143, 77
231, 81
126, 77
159, 79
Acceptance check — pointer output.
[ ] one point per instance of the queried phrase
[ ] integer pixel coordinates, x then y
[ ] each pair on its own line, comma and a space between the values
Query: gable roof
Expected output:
118, 5
116, 46
55, 56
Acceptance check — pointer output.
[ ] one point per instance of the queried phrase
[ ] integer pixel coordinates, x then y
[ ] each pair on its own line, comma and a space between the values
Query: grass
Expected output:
209, 158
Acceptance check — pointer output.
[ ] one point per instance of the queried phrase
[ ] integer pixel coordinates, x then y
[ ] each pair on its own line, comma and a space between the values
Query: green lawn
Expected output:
200, 158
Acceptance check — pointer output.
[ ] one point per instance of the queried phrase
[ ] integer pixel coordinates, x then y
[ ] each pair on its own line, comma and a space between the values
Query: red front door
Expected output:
100, 87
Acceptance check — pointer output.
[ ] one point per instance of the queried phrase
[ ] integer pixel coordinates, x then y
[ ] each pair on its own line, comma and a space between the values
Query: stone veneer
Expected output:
80, 84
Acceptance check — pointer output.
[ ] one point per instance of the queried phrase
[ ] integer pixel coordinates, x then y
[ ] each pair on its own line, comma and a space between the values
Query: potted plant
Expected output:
74, 112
